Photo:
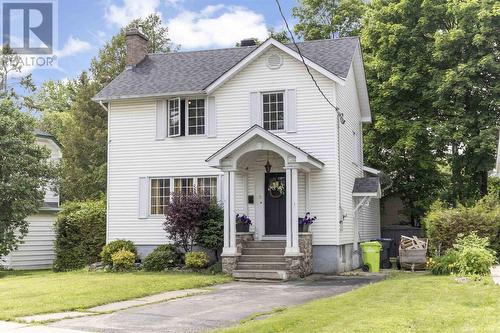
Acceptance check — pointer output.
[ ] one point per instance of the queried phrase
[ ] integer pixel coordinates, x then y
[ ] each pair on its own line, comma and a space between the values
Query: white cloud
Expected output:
216, 26
73, 46
129, 10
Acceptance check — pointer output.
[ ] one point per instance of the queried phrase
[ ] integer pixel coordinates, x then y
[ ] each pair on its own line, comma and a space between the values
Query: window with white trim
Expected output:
207, 187
160, 194
162, 190
273, 111
183, 186
196, 116
174, 117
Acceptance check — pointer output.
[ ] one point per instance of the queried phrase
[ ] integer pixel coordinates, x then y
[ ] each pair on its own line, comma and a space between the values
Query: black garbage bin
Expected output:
385, 262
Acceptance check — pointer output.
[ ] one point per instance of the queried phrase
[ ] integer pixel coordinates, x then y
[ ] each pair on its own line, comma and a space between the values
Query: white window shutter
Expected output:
291, 111
211, 118
161, 119
143, 197
255, 109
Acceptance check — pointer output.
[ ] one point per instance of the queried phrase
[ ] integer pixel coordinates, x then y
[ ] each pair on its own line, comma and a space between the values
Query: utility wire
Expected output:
340, 114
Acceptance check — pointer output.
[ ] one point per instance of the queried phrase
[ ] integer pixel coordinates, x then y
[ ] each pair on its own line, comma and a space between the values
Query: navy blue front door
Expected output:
275, 205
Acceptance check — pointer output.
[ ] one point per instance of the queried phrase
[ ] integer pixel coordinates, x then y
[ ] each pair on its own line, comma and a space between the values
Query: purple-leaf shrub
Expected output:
184, 214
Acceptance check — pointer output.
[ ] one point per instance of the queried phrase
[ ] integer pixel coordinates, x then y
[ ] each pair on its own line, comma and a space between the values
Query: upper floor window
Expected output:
196, 116
174, 117
273, 111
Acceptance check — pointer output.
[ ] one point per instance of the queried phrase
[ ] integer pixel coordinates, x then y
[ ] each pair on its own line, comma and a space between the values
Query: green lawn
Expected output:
34, 292
404, 303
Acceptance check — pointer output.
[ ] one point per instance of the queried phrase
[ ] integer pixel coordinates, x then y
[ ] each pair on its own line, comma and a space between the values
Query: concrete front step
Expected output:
275, 266
263, 251
260, 274
265, 244
262, 258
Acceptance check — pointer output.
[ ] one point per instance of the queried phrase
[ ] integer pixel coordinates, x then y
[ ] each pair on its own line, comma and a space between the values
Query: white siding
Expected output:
369, 221
55, 156
37, 250
134, 152
349, 105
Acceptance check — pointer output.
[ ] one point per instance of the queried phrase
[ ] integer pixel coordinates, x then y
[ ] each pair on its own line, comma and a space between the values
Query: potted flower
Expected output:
305, 222
243, 223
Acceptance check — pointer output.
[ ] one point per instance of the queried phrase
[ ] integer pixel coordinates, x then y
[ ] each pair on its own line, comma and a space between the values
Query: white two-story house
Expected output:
229, 123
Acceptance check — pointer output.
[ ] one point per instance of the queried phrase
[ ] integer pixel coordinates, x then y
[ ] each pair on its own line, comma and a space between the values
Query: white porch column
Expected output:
292, 211
229, 214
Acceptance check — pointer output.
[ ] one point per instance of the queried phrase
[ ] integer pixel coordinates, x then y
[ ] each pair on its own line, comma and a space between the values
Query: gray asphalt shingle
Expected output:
366, 185
193, 71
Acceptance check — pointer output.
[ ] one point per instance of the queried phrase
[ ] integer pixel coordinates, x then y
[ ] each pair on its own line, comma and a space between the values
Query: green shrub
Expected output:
443, 225
211, 230
80, 234
473, 255
469, 256
196, 260
114, 246
215, 268
123, 260
162, 258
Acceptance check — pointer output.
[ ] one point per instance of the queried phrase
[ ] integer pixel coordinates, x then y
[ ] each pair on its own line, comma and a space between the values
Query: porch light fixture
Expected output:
268, 165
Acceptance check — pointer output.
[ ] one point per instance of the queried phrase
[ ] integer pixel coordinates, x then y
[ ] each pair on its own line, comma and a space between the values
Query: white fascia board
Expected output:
159, 95
371, 170
258, 51
361, 87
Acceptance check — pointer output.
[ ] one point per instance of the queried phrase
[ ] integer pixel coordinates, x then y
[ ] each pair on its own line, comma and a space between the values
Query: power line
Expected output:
340, 114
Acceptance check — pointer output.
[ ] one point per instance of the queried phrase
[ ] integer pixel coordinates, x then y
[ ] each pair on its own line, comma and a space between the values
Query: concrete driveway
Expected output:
226, 306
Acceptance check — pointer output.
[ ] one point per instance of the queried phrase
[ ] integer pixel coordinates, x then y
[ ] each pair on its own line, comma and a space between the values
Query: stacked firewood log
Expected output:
413, 252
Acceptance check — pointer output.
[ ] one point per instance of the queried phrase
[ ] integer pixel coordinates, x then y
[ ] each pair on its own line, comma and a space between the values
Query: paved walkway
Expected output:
495, 274
227, 305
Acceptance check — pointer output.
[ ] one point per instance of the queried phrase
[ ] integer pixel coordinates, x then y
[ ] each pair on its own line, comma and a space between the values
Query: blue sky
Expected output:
83, 26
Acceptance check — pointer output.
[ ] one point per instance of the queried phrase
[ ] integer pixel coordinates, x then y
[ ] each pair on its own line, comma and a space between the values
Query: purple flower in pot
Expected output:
305, 222
243, 223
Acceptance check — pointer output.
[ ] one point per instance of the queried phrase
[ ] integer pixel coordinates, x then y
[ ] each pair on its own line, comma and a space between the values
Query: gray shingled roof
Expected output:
366, 185
183, 72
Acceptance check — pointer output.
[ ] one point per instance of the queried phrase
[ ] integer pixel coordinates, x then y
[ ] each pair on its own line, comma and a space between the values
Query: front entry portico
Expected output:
247, 189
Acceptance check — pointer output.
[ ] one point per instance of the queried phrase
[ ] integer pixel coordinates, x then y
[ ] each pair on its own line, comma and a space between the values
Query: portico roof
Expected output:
268, 141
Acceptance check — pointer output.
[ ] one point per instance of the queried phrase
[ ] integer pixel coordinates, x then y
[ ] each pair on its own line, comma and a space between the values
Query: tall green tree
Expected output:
24, 172
465, 90
323, 19
432, 81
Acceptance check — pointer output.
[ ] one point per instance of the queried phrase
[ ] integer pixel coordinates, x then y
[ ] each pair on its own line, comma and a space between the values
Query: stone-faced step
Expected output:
262, 258
265, 244
260, 275
261, 266
262, 251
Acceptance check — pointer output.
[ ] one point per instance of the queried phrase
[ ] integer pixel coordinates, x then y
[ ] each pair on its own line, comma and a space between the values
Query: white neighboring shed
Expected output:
37, 249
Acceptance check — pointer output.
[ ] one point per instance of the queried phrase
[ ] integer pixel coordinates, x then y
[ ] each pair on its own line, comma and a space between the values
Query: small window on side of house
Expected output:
207, 187
273, 111
183, 186
174, 117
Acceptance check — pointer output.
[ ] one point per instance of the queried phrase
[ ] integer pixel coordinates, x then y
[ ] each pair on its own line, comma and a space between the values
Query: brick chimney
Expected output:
137, 47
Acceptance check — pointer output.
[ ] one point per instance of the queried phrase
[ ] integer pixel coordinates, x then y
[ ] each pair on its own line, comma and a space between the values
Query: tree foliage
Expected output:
24, 173
320, 19
211, 230
184, 214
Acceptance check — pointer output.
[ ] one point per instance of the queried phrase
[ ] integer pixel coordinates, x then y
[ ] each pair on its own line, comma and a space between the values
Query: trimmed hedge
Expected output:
443, 225
80, 234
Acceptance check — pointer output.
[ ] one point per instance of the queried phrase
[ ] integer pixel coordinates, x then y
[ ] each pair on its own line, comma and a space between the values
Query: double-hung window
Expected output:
273, 108
207, 187
183, 186
196, 116
160, 194
174, 117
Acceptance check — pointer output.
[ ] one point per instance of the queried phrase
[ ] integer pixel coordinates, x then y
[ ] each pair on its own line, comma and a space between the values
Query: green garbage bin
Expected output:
371, 255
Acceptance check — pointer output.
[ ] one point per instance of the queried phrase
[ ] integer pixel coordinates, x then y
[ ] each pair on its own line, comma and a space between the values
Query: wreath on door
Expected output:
276, 189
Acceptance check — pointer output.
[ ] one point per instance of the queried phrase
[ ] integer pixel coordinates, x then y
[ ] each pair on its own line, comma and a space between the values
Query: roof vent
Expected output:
248, 42
274, 61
